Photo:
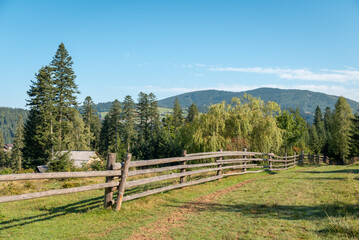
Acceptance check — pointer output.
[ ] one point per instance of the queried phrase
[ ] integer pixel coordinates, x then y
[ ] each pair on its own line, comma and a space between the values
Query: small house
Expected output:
83, 158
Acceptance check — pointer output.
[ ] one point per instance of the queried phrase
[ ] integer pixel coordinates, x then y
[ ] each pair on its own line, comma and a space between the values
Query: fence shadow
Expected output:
334, 171
286, 212
77, 207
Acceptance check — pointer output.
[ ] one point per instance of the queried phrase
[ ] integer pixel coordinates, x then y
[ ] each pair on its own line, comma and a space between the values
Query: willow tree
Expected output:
207, 132
254, 121
248, 120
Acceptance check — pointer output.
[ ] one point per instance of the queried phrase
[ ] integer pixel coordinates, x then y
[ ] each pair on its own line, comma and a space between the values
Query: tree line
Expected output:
56, 123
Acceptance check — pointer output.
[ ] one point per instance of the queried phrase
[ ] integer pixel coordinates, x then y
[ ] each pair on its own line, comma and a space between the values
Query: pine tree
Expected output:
192, 113
114, 126
1, 140
77, 138
66, 90
39, 136
104, 136
148, 117
148, 128
320, 130
340, 129
128, 117
354, 137
327, 120
92, 122
177, 114
16, 153
3, 157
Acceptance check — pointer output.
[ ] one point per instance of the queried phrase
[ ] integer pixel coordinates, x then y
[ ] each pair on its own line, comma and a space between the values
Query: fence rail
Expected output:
204, 167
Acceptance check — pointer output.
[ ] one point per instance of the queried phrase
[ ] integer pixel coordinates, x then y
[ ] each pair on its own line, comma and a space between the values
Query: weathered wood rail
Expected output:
203, 167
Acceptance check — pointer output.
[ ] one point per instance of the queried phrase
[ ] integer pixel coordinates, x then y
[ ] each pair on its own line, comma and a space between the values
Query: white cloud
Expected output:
338, 76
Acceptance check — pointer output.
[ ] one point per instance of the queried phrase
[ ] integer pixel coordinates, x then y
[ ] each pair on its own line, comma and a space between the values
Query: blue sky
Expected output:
123, 47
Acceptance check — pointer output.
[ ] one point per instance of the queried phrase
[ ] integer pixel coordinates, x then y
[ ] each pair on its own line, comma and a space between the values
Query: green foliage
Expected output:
177, 120
247, 120
65, 92
4, 171
39, 137
340, 130
8, 122
61, 163
78, 133
294, 129
128, 117
54, 124
354, 137
92, 122
16, 152
192, 113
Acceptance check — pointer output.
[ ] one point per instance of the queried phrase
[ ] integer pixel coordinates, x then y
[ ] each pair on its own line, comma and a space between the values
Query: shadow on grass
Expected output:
334, 171
78, 207
286, 212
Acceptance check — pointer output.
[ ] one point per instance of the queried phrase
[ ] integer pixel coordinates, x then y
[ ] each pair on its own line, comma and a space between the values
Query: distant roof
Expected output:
8, 146
81, 158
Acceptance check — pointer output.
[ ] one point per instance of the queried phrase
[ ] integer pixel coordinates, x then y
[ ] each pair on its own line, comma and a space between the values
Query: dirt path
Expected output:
176, 219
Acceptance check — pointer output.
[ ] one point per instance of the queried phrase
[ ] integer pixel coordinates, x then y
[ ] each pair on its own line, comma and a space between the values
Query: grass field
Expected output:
310, 202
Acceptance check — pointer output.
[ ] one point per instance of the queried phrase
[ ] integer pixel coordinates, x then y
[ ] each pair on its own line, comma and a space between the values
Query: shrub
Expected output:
4, 171
61, 163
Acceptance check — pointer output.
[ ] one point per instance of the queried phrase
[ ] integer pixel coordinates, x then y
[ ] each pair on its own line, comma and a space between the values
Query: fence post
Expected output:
108, 202
270, 161
245, 157
121, 188
301, 158
219, 172
183, 179
286, 161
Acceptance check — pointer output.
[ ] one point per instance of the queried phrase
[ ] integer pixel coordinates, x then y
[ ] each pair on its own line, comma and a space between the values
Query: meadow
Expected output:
307, 202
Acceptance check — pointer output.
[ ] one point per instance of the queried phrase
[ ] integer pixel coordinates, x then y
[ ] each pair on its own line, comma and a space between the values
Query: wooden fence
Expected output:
201, 167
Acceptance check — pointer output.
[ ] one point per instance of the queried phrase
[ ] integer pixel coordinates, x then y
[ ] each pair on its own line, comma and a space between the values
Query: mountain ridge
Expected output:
305, 100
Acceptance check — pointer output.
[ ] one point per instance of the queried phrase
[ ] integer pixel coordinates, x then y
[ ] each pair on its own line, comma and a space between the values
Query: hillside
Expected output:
306, 100
8, 121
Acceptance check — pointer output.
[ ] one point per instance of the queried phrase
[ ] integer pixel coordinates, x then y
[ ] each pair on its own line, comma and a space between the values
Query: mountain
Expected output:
305, 100
8, 121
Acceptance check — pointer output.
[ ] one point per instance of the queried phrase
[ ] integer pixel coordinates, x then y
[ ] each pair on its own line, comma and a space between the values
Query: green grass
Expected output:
302, 203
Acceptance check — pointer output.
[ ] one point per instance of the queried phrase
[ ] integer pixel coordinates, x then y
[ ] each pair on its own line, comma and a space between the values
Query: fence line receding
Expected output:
190, 169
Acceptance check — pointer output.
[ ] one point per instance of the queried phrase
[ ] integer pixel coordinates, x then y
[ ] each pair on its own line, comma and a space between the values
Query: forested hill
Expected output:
8, 121
306, 100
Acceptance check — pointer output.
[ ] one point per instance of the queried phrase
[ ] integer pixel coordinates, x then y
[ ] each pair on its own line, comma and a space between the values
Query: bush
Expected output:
4, 171
61, 163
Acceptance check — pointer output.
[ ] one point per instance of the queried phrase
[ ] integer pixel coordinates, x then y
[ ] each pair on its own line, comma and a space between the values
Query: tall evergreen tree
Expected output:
66, 90
104, 136
320, 130
148, 116
327, 120
192, 113
177, 114
354, 137
92, 122
128, 117
110, 137
341, 127
16, 153
39, 137
1, 140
